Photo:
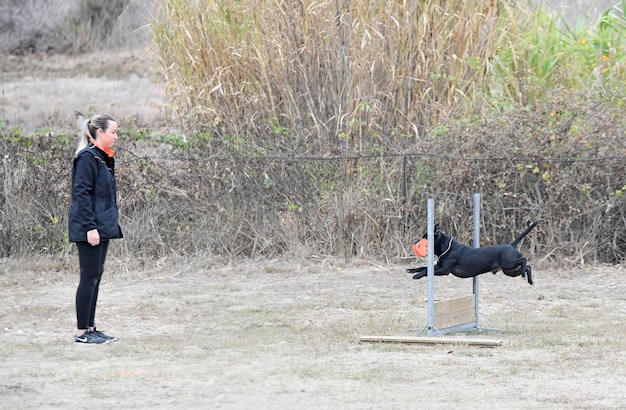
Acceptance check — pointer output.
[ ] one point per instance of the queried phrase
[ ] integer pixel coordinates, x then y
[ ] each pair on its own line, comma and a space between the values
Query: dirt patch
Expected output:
277, 334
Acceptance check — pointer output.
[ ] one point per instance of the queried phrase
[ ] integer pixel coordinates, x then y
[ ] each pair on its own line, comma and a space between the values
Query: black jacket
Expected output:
94, 196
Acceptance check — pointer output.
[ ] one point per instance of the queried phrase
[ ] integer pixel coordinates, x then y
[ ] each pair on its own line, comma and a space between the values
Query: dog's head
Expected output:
439, 239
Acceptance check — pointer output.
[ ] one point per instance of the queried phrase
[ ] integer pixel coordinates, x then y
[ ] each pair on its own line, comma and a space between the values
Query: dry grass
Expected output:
123, 84
325, 74
360, 77
283, 334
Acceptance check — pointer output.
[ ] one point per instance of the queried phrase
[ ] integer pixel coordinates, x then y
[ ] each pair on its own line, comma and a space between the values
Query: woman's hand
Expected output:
93, 237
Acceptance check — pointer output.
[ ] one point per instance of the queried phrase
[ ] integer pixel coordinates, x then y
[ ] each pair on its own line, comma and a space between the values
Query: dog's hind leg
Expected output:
522, 270
529, 274
526, 271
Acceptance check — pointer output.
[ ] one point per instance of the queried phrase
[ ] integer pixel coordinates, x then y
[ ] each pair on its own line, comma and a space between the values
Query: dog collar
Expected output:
448, 249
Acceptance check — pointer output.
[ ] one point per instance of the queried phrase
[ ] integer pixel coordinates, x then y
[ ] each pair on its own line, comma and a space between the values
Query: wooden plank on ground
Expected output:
455, 312
433, 340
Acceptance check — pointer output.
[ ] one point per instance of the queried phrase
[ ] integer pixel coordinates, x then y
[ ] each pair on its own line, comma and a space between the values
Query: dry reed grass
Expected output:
357, 77
325, 75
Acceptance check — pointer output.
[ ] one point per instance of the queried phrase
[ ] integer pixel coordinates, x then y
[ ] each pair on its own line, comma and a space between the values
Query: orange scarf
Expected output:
107, 150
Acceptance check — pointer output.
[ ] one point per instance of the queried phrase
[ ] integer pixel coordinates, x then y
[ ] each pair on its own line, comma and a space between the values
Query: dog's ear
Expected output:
435, 231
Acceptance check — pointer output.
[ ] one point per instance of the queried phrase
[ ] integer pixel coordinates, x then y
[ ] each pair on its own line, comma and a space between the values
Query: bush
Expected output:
272, 89
561, 163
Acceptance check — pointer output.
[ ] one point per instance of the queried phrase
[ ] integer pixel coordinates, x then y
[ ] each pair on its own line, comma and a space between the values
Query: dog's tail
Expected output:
526, 232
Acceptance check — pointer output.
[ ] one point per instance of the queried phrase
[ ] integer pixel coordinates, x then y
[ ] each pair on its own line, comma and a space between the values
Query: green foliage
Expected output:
33, 199
543, 55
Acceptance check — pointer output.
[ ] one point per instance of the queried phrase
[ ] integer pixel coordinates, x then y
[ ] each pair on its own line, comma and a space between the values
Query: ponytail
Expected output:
89, 130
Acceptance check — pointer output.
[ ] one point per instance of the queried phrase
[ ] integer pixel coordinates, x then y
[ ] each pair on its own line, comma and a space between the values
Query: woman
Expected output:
93, 218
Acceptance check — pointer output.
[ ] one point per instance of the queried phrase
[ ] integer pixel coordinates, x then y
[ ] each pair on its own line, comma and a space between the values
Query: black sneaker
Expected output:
104, 336
90, 338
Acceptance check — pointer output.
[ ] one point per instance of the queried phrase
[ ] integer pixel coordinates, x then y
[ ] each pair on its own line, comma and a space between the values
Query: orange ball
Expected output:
421, 248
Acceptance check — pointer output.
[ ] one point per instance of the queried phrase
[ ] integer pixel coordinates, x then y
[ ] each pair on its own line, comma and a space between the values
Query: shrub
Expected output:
561, 163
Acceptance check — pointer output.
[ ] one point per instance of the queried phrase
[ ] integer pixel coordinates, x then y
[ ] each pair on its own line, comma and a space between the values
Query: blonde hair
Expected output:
89, 130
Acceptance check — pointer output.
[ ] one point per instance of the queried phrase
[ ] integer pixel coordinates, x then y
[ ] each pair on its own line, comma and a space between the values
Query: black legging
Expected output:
91, 260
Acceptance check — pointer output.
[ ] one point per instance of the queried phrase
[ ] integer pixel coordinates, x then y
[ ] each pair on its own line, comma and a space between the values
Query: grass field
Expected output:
284, 334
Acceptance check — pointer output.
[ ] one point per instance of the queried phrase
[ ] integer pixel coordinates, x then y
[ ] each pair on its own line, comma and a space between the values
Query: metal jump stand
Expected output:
458, 314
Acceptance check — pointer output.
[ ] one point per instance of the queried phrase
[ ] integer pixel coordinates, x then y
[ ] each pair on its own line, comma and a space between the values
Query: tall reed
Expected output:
326, 75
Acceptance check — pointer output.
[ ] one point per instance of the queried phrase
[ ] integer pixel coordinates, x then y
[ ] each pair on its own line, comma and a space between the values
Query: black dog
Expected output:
465, 262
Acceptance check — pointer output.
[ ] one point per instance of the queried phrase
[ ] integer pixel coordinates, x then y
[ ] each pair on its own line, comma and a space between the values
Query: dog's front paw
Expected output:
419, 272
419, 275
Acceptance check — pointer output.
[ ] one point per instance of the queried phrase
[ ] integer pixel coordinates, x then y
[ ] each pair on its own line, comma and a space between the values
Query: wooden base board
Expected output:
433, 340
455, 312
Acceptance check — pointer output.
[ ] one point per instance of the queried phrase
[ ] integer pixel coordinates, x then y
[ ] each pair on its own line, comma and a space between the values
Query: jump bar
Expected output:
433, 340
